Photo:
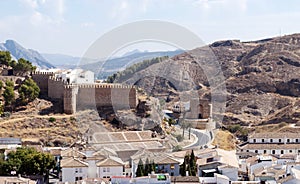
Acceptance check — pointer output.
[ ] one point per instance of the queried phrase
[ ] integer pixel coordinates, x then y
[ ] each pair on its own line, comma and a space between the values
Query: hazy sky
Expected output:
70, 26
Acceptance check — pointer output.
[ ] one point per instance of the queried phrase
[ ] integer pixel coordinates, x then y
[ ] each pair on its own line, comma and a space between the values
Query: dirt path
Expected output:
12, 120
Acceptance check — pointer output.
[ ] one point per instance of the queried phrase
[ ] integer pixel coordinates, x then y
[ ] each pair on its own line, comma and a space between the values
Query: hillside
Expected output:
17, 52
261, 78
103, 69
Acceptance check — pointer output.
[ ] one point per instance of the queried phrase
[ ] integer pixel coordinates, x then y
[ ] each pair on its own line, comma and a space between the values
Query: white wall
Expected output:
69, 174
274, 140
231, 173
113, 171
277, 152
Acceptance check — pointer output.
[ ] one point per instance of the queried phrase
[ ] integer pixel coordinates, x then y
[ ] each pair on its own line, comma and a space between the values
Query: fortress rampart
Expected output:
83, 96
41, 79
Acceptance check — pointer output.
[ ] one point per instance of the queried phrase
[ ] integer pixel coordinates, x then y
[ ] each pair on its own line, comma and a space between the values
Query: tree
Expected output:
24, 66
27, 161
9, 95
192, 164
9, 83
13, 63
148, 167
140, 169
28, 91
1, 85
153, 166
183, 125
183, 166
1, 109
5, 58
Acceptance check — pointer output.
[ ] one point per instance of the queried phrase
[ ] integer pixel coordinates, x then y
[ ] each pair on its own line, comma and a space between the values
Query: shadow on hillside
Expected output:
56, 108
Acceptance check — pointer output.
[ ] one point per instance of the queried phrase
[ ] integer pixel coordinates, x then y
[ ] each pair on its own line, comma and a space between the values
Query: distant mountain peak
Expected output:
17, 51
131, 52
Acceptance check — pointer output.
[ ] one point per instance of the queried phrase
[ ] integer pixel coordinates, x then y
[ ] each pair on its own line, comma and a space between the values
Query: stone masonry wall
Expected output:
105, 95
55, 88
41, 79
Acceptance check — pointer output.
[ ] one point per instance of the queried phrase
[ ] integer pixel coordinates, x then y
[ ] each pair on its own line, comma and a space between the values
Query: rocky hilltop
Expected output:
17, 52
262, 78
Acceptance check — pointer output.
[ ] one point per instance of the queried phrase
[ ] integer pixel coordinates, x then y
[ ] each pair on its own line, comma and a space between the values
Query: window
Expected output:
282, 152
279, 140
108, 169
172, 166
273, 151
80, 170
265, 151
78, 178
288, 140
76, 170
291, 151
256, 151
297, 140
262, 140
104, 169
271, 140
254, 140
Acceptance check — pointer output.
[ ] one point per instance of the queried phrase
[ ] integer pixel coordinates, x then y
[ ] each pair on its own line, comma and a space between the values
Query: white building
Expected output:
73, 169
10, 143
111, 166
273, 143
77, 76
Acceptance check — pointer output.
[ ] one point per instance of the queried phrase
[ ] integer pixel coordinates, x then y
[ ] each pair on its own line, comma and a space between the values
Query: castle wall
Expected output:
55, 88
106, 95
85, 96
91, 96
41, 79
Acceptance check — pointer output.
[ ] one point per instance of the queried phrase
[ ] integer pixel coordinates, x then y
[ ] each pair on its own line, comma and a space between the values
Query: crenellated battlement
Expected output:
96, 86
82, 96
42, 73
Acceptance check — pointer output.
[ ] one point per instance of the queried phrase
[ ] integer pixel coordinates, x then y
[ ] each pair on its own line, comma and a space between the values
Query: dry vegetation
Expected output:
224, 140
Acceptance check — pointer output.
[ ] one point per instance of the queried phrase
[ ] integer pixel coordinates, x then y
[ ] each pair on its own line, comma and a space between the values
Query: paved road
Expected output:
204, 137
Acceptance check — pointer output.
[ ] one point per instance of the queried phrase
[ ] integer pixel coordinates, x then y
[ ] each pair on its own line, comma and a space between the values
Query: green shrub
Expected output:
52, 119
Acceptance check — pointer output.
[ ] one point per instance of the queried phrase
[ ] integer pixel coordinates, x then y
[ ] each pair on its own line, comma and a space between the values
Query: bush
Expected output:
234, 128
177, 148
6, 114
29, 91
283, 124
72, 118
52, 119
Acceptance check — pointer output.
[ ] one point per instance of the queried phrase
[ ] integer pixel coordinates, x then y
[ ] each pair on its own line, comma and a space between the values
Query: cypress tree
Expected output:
140, 169
147, 167
192, 164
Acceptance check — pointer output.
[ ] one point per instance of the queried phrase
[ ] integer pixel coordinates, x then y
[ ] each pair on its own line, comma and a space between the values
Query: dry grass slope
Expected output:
224, 140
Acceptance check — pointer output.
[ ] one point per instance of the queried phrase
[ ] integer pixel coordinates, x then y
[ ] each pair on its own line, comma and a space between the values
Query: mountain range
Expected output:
102, 68
17, 52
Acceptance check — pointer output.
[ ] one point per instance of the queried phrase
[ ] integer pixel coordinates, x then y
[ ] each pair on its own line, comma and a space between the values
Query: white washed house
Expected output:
73, 169
111, 166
